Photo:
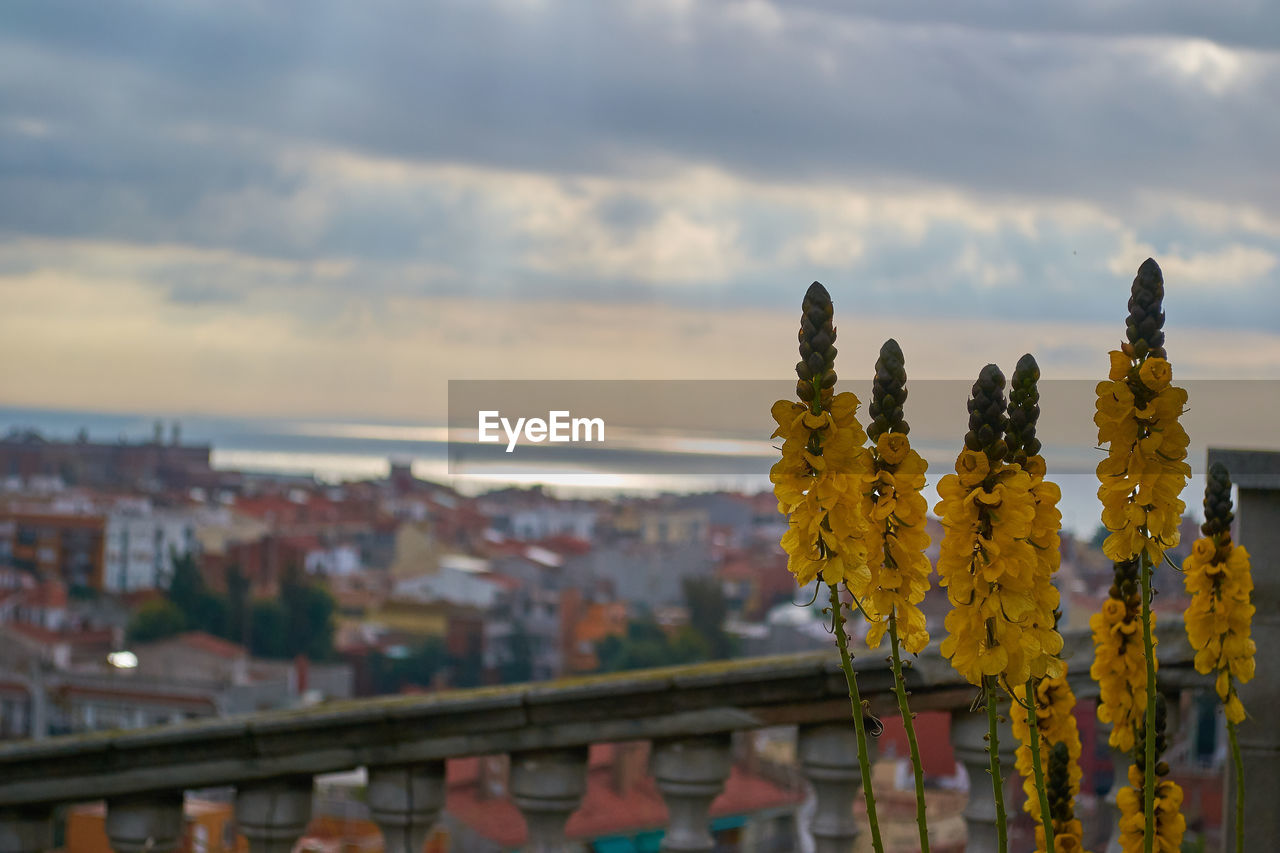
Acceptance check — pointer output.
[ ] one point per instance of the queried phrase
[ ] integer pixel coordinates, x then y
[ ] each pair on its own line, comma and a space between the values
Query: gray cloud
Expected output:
157, 123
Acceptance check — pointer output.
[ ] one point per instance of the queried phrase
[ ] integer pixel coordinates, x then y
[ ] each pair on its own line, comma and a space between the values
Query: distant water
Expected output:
334, 451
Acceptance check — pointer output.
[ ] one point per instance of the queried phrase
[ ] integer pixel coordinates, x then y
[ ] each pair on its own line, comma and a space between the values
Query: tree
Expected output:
203, 610
268, 629
156, 620
237, 606
186, 585
707, 612
646, 645
308, 613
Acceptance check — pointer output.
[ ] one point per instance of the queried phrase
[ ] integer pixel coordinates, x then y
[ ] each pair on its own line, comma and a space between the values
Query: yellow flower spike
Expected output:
1169, 825
1145, 471
896, 541
1218, 578
819, 484
1060, 739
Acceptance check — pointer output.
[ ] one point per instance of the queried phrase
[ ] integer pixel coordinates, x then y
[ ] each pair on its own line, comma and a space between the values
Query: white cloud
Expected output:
1232, 266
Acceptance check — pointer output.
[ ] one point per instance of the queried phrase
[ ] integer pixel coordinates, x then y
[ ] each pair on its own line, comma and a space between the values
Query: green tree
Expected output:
707, 612
646, 645
202, 609
308, 612
268, 629
156, 620
237, 606
186, 584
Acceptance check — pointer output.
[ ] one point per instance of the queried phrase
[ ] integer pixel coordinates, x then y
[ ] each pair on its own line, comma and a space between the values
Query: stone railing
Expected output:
688, 713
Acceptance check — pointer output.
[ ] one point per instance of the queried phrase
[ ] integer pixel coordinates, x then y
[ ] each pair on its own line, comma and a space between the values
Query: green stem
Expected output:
837, 608
1149, 743
993, 750
1046, 816
1239, 768
908, 723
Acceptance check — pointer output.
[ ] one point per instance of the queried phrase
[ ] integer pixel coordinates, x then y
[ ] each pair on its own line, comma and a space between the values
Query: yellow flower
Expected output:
892, 448
1119, 665
1170, 825
896, 541
1155, 373
1120, 365
972, 467
1145, 469
821, 490
1220, 583
1055, 723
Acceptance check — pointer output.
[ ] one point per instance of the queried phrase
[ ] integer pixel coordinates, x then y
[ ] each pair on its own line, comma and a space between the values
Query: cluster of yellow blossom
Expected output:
1119, 665
1145, 469
819, 485
1044, 537
1170, 825
1056, 724
1220, 582
896, 541
988, 566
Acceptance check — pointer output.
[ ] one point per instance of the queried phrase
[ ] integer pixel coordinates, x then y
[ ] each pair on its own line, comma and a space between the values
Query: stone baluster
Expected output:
829, 760
405, 801
548, 785
145, 823
968, 740
690, 773
26, 830
273, 814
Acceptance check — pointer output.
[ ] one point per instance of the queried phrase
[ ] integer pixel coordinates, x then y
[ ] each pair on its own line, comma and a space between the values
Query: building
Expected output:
150, 465
52, 543
142, 544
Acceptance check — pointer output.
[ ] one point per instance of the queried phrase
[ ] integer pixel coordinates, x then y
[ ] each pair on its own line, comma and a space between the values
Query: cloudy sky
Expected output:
329, 208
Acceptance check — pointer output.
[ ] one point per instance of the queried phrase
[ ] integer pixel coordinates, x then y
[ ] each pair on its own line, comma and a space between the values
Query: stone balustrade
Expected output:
689, 714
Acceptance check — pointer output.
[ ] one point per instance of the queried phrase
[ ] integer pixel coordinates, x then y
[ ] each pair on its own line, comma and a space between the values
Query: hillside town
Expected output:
140, 586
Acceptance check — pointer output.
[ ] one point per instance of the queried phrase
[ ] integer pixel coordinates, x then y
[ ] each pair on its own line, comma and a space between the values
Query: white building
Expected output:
141, 543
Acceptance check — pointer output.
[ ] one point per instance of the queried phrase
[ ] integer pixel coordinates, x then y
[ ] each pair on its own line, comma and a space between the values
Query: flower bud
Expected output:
888, 392
1217, 502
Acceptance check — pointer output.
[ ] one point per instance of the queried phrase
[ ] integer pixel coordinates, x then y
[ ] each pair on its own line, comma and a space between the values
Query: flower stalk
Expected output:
908, 723
1219, 580
989, 566
993, 758
818, 483
859, 725
1046, 816
1149, 718
1141, 478
896, 542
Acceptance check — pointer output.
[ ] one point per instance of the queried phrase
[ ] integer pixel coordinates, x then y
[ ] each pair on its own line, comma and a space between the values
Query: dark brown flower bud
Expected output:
888, 392
1146, 316
817, 346
987, 419
1217, 504
1024, 410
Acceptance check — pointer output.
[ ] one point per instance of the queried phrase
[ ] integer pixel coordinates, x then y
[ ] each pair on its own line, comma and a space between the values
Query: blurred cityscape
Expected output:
140, 585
